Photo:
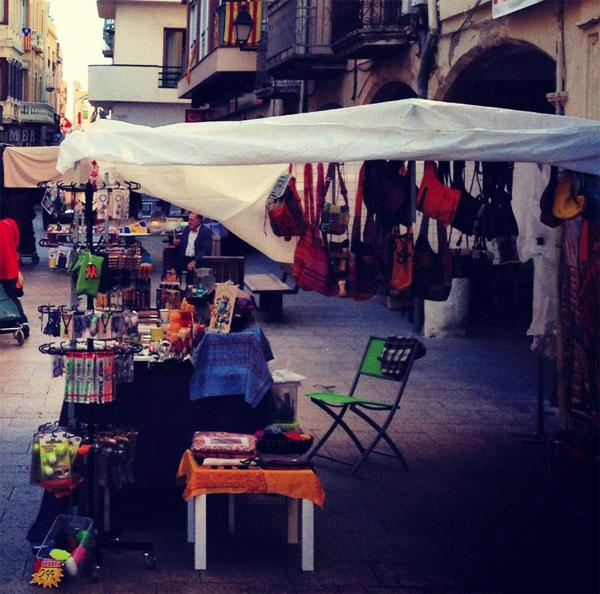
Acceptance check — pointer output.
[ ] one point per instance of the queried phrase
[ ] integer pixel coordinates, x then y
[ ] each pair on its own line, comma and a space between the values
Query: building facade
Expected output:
327, 53
30, 73
145, 39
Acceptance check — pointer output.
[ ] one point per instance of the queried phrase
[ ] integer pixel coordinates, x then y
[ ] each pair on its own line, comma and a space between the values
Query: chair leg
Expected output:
337, 421
381, 433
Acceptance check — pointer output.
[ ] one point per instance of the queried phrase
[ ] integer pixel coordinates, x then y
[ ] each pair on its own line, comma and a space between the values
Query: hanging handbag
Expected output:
316, 275
284, 209
468, 207
403, 259
432, 273
497, 193
302, 251
567, 204
334, 215
434, 199
547, 201
387, 191
362, 282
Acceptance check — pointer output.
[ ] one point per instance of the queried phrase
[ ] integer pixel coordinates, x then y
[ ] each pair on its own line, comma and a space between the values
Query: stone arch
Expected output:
514, 74
390, 91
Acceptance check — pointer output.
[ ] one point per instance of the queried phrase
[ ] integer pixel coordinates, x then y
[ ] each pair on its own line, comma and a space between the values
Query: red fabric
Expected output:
9, 240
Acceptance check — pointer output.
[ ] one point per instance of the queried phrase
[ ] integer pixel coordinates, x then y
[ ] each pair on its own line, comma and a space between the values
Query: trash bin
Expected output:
285, 395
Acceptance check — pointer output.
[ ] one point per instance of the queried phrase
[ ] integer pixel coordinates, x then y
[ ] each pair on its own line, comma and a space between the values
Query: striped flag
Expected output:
26, 39
232, 7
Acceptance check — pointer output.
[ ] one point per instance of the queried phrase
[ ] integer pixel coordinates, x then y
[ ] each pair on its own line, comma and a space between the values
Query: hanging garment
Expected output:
9, 258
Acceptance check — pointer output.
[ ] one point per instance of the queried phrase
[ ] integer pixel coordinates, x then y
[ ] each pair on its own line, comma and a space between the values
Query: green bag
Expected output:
89, 269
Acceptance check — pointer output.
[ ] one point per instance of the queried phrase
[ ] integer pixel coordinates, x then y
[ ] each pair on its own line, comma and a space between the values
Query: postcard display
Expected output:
93, 352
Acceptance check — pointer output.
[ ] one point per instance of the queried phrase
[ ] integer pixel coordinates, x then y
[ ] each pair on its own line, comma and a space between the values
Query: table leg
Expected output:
200, 532
190, 520
230, 514
292, 520
308, 535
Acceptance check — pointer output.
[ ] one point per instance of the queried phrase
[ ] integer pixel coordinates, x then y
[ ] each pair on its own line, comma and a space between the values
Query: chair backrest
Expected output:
226, 268
401, 354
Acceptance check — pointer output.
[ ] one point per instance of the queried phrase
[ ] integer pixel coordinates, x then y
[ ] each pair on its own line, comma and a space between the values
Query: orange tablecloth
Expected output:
300, 483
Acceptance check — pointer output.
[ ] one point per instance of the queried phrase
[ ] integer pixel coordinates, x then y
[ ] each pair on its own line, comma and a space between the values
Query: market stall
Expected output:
226, 170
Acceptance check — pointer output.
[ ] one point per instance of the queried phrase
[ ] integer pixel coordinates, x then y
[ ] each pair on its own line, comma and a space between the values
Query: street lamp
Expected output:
243, 24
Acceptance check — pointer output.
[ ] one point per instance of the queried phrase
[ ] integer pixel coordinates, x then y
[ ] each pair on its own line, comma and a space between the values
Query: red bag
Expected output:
402, 268
284, 209
302, 252
436, 200
362, 281
315, 275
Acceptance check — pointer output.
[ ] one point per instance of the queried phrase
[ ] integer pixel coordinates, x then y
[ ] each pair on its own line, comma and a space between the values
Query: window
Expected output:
193, 32
173, 49
3, 79
4, 12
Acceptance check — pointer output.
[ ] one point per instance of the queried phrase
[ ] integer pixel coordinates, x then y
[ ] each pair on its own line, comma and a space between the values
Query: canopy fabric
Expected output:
26, 166
225, 170
416, 129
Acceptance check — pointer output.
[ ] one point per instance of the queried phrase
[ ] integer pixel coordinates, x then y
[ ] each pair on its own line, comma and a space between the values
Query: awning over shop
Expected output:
225, 170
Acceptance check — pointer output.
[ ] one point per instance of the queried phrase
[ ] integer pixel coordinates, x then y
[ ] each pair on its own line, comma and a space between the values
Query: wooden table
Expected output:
301, 484
270, 291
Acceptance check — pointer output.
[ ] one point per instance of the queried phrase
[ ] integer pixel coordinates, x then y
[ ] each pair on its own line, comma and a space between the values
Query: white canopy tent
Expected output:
225, 170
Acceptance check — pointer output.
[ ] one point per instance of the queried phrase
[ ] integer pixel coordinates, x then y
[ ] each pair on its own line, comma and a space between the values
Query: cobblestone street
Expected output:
467, 517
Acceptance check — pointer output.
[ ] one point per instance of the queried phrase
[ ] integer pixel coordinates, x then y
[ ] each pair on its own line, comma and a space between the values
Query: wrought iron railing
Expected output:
353, 16
168, 77
298, 27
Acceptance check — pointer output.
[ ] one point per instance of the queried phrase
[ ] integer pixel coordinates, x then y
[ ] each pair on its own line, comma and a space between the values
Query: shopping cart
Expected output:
12, 320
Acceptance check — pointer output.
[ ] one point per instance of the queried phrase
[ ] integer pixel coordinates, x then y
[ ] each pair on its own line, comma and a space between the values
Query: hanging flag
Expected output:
26, 39
232, 7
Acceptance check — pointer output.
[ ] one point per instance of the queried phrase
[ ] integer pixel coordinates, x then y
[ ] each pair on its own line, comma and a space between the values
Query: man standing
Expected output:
196, 242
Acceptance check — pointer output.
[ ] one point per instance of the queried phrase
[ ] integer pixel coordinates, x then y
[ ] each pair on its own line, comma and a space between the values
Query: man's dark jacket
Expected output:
202, 245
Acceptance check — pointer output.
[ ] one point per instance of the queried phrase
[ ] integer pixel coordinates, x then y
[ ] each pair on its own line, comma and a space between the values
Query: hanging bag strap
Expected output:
308, 194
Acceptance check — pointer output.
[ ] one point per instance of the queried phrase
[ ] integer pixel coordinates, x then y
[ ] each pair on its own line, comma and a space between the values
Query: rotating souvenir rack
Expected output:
92, 357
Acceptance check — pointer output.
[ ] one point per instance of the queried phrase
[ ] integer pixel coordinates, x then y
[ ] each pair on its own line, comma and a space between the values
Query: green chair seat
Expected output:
339, 399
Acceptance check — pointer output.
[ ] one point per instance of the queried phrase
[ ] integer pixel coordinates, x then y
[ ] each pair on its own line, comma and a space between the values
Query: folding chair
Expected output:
397, 357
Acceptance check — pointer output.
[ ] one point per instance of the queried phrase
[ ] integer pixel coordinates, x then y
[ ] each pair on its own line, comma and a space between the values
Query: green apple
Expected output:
35, 447
60, 449
51, 458
47, 471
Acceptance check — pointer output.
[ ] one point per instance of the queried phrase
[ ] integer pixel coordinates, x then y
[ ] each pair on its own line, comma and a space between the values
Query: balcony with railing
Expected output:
116, 83
299, 40
37, 42
370, 28
108, 35
223, 70
36, 113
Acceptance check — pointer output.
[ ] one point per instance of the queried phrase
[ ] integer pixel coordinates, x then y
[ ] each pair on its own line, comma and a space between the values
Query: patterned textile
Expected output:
299, 483
395, 354
579, 392
235, 363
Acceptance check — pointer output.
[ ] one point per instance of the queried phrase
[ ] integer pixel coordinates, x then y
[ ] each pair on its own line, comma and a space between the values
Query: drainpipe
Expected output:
428, 50
560, 60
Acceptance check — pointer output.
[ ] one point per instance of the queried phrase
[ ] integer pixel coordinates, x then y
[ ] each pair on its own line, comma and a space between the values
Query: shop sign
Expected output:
501, 8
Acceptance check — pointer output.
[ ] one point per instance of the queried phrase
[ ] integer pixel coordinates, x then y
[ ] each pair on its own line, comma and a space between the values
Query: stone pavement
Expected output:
468, 516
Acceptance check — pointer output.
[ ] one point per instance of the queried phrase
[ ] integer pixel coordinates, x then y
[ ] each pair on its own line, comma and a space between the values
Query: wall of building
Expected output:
139, 31
149, 114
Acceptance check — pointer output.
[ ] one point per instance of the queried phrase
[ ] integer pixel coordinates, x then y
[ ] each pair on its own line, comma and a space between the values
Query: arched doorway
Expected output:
514, 75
